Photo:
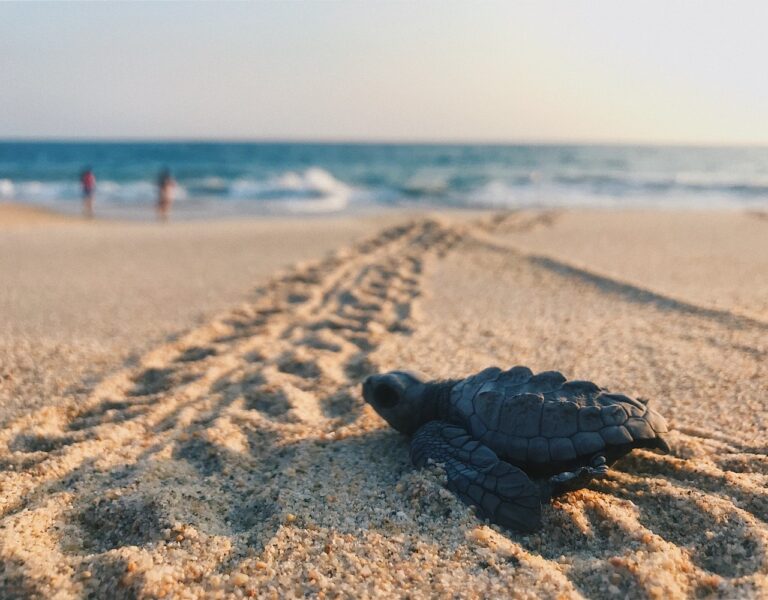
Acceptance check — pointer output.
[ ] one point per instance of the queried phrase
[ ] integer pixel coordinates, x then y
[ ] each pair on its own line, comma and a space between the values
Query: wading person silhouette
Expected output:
88, 181
165, 189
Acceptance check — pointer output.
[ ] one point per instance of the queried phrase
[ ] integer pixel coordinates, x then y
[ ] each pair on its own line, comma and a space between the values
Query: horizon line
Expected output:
374, 141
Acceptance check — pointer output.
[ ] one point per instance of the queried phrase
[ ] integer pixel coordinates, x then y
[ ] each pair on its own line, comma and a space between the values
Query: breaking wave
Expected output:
235, 178
313, 190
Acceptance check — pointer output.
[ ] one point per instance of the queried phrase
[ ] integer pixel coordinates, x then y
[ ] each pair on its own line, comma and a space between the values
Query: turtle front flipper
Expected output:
501, 491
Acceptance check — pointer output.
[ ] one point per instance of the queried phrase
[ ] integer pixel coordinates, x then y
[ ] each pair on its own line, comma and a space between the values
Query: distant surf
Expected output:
234, 178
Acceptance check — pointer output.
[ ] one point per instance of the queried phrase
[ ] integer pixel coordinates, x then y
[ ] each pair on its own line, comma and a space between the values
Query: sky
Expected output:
619, 71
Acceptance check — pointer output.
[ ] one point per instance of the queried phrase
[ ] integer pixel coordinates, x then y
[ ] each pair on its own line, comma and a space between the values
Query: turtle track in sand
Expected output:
205, 431
484, 233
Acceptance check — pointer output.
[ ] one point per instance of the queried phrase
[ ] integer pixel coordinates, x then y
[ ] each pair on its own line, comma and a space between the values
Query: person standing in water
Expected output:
165, 188
88, 181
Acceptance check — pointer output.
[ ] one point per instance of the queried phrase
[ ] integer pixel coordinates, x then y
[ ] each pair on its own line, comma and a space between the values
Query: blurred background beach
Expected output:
316, 109
358, 187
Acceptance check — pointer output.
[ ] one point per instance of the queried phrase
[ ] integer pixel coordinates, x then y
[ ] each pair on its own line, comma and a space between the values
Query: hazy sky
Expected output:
540, 71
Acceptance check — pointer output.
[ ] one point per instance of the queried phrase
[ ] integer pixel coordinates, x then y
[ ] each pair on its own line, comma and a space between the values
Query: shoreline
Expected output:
16, 213
13, 213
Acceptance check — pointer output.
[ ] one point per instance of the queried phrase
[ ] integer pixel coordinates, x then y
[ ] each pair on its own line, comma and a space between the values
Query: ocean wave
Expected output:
312, 187
317, 190
47, 191
623, 182
499, 194
6, 189
312, 183
314, 190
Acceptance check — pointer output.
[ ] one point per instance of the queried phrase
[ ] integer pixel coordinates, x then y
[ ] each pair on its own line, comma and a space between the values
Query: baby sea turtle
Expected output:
511, 440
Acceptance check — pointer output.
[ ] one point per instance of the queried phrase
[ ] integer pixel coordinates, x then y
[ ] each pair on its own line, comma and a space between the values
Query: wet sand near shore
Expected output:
21, 215
239, 460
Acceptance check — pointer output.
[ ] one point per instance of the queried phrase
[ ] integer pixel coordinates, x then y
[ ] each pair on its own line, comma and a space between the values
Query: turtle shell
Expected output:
546, 424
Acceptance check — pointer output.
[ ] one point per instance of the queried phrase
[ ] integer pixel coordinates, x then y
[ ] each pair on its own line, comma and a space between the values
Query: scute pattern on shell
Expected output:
536, 419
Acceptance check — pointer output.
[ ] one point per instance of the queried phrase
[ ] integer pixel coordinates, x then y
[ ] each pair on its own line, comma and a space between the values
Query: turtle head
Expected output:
398, 396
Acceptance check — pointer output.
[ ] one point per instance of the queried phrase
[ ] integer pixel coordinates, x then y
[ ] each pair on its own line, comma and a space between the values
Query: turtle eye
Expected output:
385, 396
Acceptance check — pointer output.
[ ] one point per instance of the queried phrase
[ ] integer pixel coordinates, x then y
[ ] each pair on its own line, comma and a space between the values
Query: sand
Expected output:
716, 259
238, 459
80, 298
21, 215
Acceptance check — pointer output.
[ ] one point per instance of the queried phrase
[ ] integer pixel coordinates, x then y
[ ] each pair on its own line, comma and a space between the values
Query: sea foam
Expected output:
249, 178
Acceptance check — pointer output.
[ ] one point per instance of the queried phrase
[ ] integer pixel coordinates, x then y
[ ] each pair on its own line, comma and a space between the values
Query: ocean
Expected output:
232, 178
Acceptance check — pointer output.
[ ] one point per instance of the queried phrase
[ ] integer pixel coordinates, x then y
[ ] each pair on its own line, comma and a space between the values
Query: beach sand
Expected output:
22, 215
238, 459
80, 298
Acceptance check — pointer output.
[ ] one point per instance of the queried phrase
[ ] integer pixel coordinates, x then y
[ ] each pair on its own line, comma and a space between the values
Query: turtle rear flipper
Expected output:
660, 444
502, 492
569, 481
